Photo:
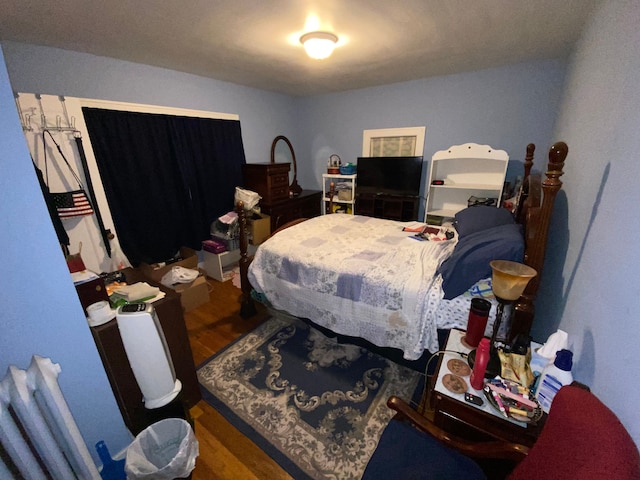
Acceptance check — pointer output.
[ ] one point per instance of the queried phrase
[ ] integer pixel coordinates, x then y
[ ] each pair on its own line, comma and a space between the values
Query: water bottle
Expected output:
480, 365
553, 377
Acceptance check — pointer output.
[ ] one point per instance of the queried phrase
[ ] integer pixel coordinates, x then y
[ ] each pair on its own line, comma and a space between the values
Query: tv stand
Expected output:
391, 207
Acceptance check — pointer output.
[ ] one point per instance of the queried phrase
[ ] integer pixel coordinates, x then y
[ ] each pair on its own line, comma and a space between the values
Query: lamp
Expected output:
319, 45
508, 281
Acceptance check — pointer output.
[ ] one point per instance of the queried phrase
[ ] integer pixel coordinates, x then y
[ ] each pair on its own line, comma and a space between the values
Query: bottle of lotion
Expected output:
553, 377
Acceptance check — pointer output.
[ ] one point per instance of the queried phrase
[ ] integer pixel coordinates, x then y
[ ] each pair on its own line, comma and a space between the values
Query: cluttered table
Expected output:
465, 419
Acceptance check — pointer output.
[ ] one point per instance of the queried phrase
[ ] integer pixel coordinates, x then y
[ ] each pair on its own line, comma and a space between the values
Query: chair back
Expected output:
582, 439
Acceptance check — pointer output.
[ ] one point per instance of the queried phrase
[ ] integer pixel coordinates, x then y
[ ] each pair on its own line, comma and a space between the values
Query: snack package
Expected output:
516, 367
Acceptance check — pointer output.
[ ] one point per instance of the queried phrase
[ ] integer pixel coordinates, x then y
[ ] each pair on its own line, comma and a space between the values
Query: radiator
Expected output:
38, 437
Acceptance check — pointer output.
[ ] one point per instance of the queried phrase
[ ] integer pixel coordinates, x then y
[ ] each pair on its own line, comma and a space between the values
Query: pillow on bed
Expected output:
470, 259
481, 217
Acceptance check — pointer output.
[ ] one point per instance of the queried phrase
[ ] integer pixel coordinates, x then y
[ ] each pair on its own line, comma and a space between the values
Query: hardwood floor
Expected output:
225, 453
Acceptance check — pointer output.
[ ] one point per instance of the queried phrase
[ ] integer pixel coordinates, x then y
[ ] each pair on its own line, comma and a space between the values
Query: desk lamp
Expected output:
508, 281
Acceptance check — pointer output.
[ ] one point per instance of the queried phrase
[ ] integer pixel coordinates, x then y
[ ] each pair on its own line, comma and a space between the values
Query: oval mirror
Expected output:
294, 188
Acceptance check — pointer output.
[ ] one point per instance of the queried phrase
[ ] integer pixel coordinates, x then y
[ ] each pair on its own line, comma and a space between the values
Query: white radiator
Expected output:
38, 435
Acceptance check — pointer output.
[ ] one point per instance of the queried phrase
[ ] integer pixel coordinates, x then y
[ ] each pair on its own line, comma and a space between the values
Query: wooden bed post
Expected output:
528, 159
538, 212
247, 307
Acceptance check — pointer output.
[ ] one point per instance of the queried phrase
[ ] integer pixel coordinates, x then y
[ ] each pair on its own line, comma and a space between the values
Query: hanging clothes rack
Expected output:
58, 127
25, 118
70, 127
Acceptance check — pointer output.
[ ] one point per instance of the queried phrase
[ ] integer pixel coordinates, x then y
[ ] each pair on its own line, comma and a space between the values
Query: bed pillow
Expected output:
470, 259
481, 217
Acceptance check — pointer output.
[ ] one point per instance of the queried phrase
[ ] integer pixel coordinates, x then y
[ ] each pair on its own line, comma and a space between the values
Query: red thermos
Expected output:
480, 365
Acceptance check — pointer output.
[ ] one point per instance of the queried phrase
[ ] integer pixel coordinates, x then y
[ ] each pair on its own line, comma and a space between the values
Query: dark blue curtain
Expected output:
166, 178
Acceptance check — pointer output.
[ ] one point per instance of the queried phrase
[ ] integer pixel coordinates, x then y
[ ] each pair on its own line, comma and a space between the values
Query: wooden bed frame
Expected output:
533, 212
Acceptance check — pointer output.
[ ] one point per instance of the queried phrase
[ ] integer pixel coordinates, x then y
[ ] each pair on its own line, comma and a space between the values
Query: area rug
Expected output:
316, 406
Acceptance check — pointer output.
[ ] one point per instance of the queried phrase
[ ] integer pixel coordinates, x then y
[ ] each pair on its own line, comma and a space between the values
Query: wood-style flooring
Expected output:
225, 453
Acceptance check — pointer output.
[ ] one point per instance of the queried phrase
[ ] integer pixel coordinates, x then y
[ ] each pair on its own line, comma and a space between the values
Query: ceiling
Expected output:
256, 43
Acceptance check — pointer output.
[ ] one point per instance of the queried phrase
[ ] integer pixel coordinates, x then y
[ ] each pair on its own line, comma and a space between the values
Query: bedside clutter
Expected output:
110, 347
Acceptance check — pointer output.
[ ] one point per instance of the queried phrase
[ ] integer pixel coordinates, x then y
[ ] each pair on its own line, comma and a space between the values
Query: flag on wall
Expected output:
72, 204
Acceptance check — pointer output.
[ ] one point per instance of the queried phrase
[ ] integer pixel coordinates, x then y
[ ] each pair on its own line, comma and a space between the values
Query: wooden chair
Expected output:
581, 439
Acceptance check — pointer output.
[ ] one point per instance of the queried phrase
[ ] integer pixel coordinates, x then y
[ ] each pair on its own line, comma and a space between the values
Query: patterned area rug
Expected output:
315, 406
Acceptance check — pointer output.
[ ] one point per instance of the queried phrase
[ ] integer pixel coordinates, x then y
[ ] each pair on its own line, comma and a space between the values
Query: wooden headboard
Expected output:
534, 214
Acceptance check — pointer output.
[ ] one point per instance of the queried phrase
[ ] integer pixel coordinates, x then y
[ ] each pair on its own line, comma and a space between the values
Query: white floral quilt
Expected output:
359, 276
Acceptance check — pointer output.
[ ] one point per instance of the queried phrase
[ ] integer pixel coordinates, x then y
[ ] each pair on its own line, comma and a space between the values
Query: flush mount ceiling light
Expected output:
319, 45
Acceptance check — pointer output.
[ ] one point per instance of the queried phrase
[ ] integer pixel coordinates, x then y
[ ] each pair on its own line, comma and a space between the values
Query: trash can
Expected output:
165, 450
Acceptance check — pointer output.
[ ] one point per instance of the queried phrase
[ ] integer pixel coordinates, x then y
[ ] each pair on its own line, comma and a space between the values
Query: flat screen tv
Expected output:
389, 175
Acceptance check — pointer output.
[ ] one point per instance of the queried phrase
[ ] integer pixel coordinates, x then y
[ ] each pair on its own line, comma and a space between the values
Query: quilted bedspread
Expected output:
357, 276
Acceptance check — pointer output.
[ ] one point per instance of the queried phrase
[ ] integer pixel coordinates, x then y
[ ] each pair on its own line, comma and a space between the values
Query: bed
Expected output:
365, 277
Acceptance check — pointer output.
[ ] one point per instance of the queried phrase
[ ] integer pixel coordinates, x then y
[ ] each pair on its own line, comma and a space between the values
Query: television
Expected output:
389, 175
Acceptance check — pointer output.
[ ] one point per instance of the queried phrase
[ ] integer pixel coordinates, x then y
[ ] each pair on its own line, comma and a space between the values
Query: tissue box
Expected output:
213, 246
229, 243
538, 362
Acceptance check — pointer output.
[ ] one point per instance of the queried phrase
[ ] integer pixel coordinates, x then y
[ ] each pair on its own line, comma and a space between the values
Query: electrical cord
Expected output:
427, 376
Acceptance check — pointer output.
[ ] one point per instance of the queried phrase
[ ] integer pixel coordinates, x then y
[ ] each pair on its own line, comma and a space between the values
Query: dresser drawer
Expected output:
279, 180
269, 180
279, 192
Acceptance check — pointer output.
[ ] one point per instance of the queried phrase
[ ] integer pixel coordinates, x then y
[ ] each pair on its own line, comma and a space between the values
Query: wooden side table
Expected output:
463, 419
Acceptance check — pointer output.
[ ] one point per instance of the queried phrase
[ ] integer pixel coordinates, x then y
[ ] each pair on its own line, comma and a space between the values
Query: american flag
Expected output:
72, 204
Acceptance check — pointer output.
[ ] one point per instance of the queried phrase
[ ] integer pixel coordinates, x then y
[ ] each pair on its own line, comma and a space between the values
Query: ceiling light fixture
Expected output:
319, 45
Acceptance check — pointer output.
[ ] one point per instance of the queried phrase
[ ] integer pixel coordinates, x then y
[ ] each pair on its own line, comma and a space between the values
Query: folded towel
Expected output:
137, 291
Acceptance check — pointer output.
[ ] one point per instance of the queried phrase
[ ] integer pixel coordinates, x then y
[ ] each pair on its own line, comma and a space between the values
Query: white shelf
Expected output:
327, 178
469, 186
466, 170
219, 266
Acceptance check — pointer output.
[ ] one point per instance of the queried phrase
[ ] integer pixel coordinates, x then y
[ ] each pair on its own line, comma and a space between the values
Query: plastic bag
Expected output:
163, 451
178, 274
249, 198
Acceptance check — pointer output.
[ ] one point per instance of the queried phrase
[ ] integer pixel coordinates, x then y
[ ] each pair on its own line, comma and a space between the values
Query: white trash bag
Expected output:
163, 451
249, 198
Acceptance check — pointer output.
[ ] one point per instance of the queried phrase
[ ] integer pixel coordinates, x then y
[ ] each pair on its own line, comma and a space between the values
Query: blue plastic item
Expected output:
347, 169
111, 469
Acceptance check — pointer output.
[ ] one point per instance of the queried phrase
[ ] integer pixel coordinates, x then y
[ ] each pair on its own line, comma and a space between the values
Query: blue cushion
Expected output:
469, 261
481, 217
407, 453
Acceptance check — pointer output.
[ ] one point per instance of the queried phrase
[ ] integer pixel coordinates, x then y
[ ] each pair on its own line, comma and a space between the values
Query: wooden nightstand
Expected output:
452, 413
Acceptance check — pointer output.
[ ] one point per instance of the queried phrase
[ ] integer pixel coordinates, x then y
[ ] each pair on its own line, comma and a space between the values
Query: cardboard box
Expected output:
344, 195
259, 226
156, 271
193, 294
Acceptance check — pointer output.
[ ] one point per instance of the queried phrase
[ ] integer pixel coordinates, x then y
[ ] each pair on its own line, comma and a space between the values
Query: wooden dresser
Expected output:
269, 180
305, 205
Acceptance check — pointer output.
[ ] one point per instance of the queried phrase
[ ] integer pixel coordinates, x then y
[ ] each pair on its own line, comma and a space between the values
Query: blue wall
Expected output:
506, 108
595, 264
591, 104
41, 313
